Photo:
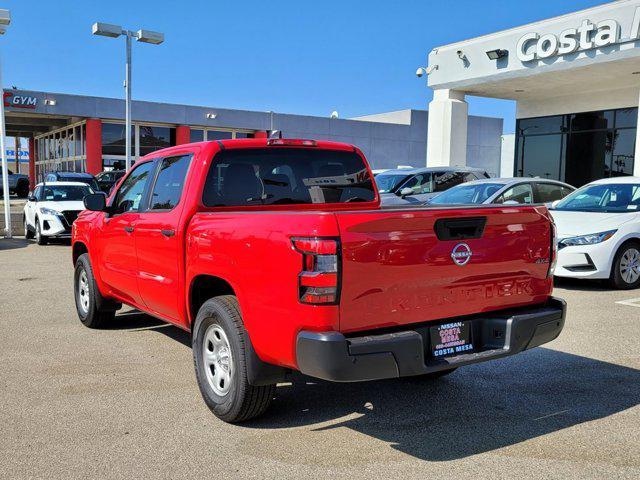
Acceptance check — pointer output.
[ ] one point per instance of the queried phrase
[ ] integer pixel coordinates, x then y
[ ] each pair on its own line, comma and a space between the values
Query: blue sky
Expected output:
306, 57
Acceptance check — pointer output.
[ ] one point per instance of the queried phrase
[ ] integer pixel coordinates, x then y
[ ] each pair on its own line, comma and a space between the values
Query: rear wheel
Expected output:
28, 234
40, 238
93, 309
625, 271
220, 357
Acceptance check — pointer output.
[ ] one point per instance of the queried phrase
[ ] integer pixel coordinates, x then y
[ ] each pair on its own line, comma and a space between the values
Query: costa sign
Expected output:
15, 100
533, 46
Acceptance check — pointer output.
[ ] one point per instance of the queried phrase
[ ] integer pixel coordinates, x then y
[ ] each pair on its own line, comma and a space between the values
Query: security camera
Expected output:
421, 71
334, 114
461, 54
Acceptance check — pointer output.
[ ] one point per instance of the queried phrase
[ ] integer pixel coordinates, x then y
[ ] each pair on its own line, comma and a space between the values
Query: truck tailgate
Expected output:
398, 267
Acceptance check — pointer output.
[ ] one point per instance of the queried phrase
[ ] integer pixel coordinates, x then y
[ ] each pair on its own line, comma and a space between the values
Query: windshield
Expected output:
88, 180
65, 193
466, 194
272, 176
603, 198
387, 182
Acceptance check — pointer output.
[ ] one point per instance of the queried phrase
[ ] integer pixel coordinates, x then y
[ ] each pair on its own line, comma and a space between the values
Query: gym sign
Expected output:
533, 46
20, 101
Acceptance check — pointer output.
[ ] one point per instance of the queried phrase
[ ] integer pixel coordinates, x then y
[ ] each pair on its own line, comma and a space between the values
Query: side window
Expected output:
519, 194
420, 183
168, 187
548, 192
38, 193
446, 180
130, 193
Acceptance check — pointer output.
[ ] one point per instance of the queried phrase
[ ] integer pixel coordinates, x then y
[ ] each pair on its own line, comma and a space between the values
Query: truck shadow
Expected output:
474, 410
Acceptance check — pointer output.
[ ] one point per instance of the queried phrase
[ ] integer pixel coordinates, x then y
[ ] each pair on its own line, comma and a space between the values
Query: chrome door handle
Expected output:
128, 229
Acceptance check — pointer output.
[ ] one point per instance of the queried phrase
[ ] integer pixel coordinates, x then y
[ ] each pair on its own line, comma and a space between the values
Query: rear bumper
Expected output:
332, 356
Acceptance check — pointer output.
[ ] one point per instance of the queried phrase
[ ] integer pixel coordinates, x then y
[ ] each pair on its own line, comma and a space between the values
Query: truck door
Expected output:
119, 268
160, 241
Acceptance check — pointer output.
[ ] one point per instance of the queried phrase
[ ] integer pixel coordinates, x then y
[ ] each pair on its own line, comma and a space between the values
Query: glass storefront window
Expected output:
113, 141
591, 149
196, 135
592, 121
244, 135
537, 126
218, 135
626, 118
154, 138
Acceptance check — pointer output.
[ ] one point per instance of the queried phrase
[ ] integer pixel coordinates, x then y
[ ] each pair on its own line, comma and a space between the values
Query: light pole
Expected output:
145, 36
5, 20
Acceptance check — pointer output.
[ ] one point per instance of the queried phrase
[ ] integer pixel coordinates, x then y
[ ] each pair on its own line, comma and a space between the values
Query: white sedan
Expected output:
52, 208
598, 231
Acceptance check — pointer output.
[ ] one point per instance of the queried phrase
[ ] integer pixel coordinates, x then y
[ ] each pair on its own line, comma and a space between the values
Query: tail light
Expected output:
553, 251
318, 280
291, 142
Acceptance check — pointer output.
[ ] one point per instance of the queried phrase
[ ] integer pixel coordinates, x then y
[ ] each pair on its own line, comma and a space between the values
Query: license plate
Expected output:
451, 339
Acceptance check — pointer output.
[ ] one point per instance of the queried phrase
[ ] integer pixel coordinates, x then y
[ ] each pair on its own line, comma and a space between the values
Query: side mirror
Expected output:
406, 191
96, 202
32, 198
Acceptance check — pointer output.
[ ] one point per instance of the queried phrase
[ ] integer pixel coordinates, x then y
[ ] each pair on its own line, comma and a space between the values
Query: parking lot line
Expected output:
632, 302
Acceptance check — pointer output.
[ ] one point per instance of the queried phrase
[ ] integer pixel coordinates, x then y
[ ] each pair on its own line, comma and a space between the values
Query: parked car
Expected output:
276, 255
106, 180
73, 177
599, 232
378, 171
510, 191
52, 208
18, 184
417, 185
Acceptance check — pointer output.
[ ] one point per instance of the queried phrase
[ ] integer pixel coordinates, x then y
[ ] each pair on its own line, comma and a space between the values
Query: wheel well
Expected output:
204, 287
78, 249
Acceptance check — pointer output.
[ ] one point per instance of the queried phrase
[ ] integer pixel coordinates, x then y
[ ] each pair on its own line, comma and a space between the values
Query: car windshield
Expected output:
88, 180
388, 182
65, 193
466, 194
603, 198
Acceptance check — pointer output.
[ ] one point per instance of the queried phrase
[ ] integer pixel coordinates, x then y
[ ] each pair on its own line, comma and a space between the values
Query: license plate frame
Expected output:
451, 339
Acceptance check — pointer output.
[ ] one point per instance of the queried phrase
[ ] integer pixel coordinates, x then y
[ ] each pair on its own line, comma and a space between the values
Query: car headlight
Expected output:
48, 211
590, 239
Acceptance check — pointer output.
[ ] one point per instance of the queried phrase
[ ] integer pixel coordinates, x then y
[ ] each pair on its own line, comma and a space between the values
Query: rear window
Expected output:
281, 176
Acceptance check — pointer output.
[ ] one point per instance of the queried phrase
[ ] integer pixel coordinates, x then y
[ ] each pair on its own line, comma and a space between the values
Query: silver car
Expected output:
417, 185
508, 191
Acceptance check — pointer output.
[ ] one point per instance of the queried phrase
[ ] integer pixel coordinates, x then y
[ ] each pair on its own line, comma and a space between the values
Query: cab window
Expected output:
168, 187
130, 194
550, 192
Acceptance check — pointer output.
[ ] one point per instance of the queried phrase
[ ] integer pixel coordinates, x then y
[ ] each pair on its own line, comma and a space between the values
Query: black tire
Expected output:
28, 234
242, 401
40, 239
98, 311
22, 189
616, 279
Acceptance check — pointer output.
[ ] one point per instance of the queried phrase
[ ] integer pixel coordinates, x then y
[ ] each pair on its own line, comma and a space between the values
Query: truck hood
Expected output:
573, 224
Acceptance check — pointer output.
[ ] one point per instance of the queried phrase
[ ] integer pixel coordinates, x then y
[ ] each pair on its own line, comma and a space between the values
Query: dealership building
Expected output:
83, 133
576, 83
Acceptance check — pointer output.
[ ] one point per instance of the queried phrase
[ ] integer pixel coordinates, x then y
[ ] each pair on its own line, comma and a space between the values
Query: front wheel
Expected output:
220, 358
93, 309
28, 234
625, 271
40, 238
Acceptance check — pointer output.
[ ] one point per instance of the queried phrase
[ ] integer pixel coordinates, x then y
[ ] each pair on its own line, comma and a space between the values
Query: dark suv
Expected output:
73, 177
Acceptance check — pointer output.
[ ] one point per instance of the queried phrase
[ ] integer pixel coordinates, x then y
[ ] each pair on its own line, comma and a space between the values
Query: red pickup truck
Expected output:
276, 256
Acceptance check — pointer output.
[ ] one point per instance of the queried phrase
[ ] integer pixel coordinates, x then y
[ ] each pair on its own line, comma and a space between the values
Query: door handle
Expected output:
168, 232
128, 229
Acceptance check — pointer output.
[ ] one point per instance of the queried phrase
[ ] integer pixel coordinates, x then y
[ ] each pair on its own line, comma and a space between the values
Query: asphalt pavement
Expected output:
123, 402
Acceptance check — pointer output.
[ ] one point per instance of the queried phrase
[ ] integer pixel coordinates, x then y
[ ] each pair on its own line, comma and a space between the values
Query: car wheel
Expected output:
28, 234
93, 309
22, 190
40, 238
220, 358
625, 271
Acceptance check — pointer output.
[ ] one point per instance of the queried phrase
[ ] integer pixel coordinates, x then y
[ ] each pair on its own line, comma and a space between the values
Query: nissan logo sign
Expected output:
461, 254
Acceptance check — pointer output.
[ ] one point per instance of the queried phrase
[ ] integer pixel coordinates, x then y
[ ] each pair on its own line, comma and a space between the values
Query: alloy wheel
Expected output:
630, 265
